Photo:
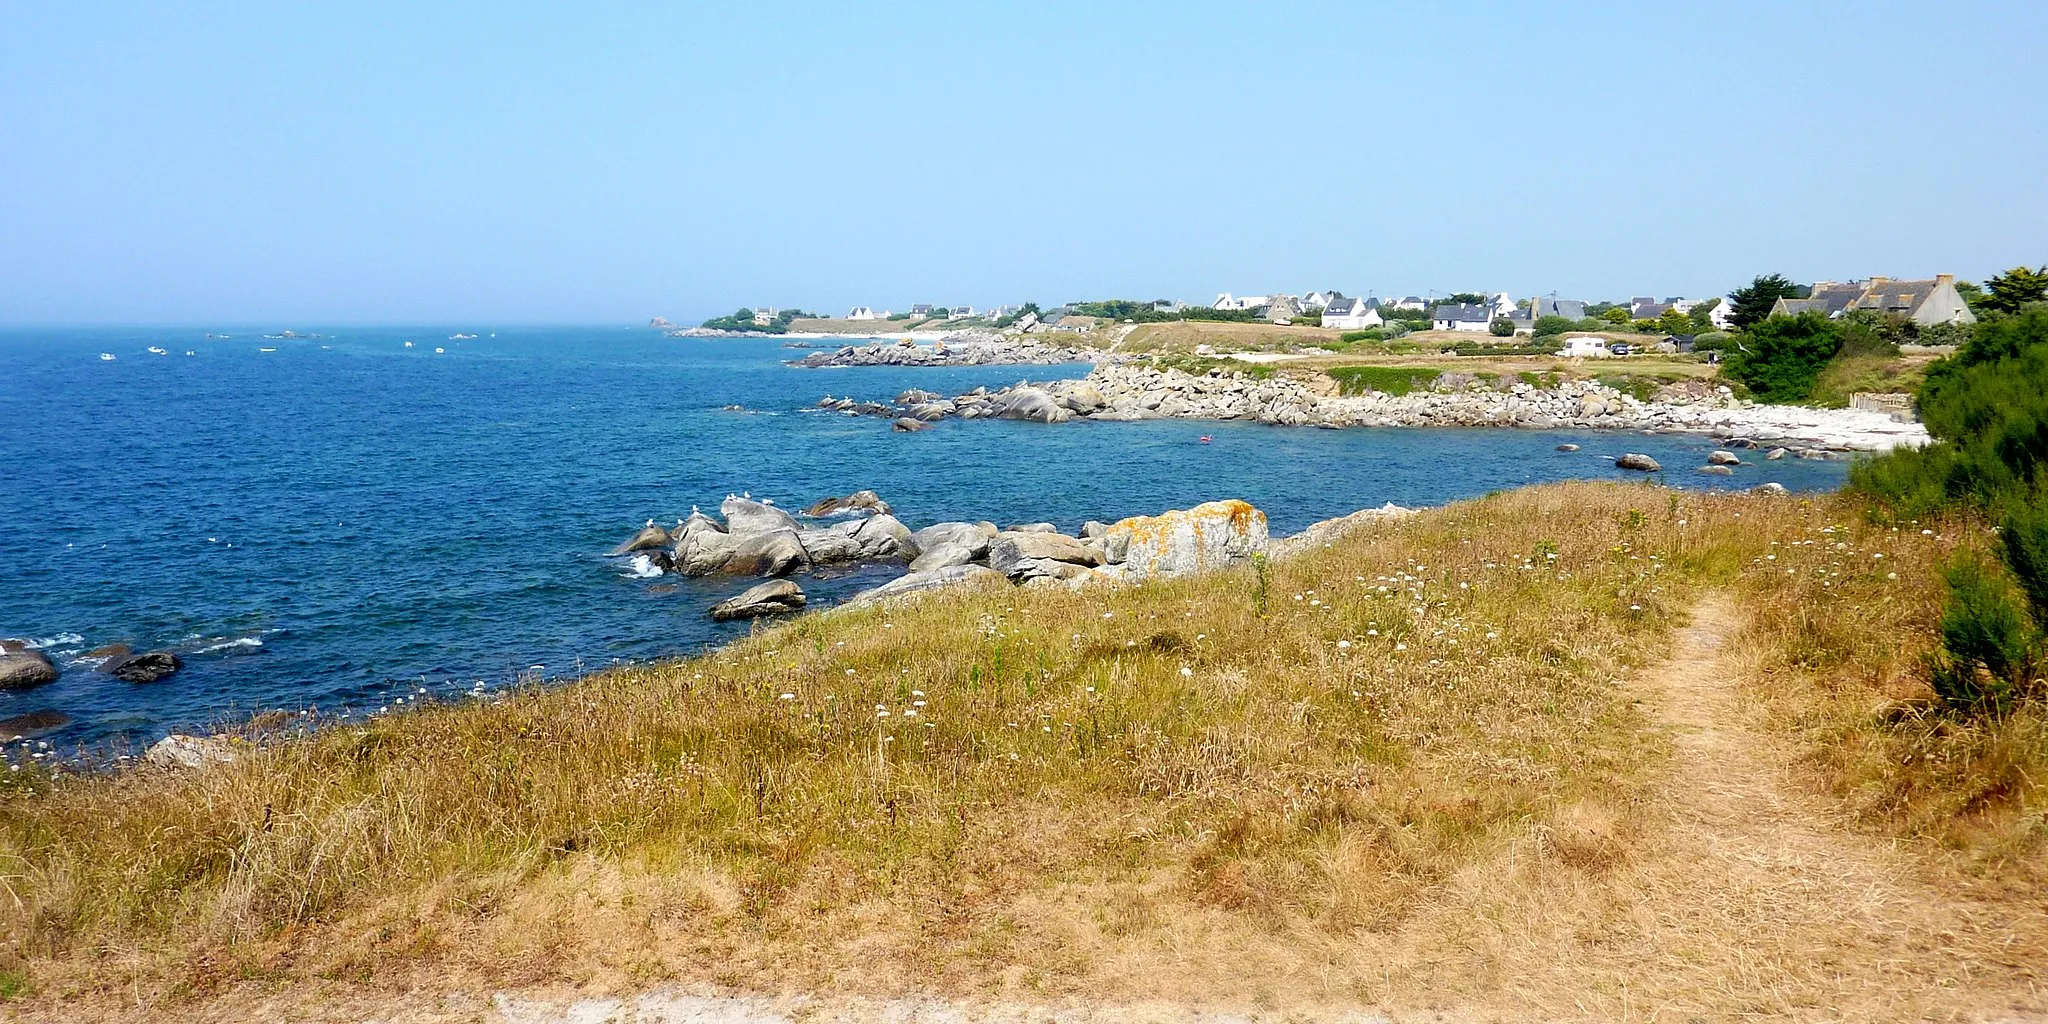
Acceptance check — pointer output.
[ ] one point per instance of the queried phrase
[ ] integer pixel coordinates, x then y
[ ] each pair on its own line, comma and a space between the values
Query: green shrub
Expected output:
1389, 380
1779, 358
1369, 334
1501, 327
1712, 341
1547, 326
2023, 544
1987, 640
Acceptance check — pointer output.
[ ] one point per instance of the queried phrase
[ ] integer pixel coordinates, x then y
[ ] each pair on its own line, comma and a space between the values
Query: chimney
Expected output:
1876, 280
1944, 279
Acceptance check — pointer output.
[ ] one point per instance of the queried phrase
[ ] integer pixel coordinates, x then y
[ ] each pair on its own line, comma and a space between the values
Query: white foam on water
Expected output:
643, 568
246, 641
43, 643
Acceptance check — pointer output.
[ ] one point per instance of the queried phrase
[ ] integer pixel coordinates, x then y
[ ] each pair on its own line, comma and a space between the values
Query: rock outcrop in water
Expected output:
772, 598
1137, 392
22, 666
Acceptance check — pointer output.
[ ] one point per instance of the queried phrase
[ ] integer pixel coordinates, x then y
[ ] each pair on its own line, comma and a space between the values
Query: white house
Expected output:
960, 312
764, 315
1352, 314
1413, 302
862, 313
1229, 301
1722, 316
1585, 345
1503, 304
1316, 300
1461, 317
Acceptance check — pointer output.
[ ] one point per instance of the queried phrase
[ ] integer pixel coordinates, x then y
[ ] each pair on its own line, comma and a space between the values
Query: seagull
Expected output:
650, 522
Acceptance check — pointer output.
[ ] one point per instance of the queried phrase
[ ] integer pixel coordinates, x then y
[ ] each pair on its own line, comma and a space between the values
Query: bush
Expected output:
1779, 359
1712, 341
1547, 326
1369, 334
1501, 327
1389, 380
1987, 640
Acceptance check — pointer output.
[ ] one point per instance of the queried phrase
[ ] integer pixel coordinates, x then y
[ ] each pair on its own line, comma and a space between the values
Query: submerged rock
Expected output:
22, 667
771, 598
908, 425
1211, 535
32, 725
147, 667
1769, 487
1717, 470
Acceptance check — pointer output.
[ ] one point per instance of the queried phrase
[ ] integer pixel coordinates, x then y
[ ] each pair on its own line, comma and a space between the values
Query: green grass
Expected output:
14, 984
1849, 373
1540, 379
1389, 380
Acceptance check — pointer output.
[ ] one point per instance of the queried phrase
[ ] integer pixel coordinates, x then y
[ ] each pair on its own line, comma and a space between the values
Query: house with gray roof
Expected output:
1350, 314
1463, 316
1927, 302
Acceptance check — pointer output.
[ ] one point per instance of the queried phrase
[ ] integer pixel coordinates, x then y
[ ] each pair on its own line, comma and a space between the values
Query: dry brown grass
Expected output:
1404, 771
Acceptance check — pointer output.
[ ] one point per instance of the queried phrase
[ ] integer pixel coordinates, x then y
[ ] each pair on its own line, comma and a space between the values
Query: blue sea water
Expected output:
343, 520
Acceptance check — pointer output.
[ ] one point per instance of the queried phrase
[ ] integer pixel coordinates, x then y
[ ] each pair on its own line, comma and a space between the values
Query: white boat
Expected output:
189, 352
266, 350
157, 350
106, 357
408, 344
461, 337
438, 350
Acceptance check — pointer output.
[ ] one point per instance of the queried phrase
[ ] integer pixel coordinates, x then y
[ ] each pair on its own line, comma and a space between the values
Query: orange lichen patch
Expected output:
1153, 538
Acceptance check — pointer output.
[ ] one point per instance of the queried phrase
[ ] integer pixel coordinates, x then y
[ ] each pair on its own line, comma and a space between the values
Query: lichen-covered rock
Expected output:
191, 752
857, 502
1017, 554
1637, 461
1211, 535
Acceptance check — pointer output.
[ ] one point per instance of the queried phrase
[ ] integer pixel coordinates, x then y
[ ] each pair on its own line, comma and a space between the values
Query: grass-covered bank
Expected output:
1409, 767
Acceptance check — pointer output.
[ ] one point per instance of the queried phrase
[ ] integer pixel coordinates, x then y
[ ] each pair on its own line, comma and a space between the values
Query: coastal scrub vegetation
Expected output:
1387, 380
1393, 768
1119, 310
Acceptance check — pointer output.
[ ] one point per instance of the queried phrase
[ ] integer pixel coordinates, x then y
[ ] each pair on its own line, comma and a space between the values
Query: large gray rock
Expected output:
1723, 457
967, 535
884, 536
1209, 536
147, 667
702, 552
1035, 404
919, 582
1717, 470
1637, 461
1010, 552
746, 517
649, 537
945, 554
828, 547
772, 598
861, 502
21, 668
778, 553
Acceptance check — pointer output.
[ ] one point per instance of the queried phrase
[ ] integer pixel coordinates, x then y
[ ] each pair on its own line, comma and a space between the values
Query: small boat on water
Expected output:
106, 357
158, 350
438, 350
461, 337
266, 350
189, 352
408, 344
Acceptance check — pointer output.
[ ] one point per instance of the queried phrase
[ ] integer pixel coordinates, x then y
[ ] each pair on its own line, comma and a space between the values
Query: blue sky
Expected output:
316, 163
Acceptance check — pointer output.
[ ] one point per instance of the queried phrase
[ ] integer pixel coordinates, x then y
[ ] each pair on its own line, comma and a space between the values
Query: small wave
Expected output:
643, 568
226, 645
44, 643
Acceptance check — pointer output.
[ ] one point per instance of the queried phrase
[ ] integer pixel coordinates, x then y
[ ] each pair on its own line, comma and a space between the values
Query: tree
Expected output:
1674, 322
2016, 288
1753, 304
1616, 315
1548, 326
1779, 358
1467, 299
1703, 317
1501, 327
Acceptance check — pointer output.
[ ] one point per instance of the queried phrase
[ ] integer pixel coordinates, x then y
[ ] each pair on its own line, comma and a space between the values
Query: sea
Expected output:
334, 523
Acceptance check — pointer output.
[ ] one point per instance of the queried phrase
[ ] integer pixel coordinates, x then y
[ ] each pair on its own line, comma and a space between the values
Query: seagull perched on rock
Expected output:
650, 522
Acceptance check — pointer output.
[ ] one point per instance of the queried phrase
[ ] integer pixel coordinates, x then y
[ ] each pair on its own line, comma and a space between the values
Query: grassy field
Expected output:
1445, 763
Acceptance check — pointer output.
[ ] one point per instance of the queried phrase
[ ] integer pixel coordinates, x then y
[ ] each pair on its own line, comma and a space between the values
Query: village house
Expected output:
862, 313
764, 316
921, 309
1282, 310
1238, 302
1525, 319
1316, 300
1461, 317
960, 312
1925, 302
1348, 314
1413, 302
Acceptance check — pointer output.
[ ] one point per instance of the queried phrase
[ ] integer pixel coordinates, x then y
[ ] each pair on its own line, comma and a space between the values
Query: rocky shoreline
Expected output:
1130, 391
967, 348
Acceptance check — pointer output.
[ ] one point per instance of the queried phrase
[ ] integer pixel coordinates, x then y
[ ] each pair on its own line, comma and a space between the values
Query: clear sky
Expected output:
297, 164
